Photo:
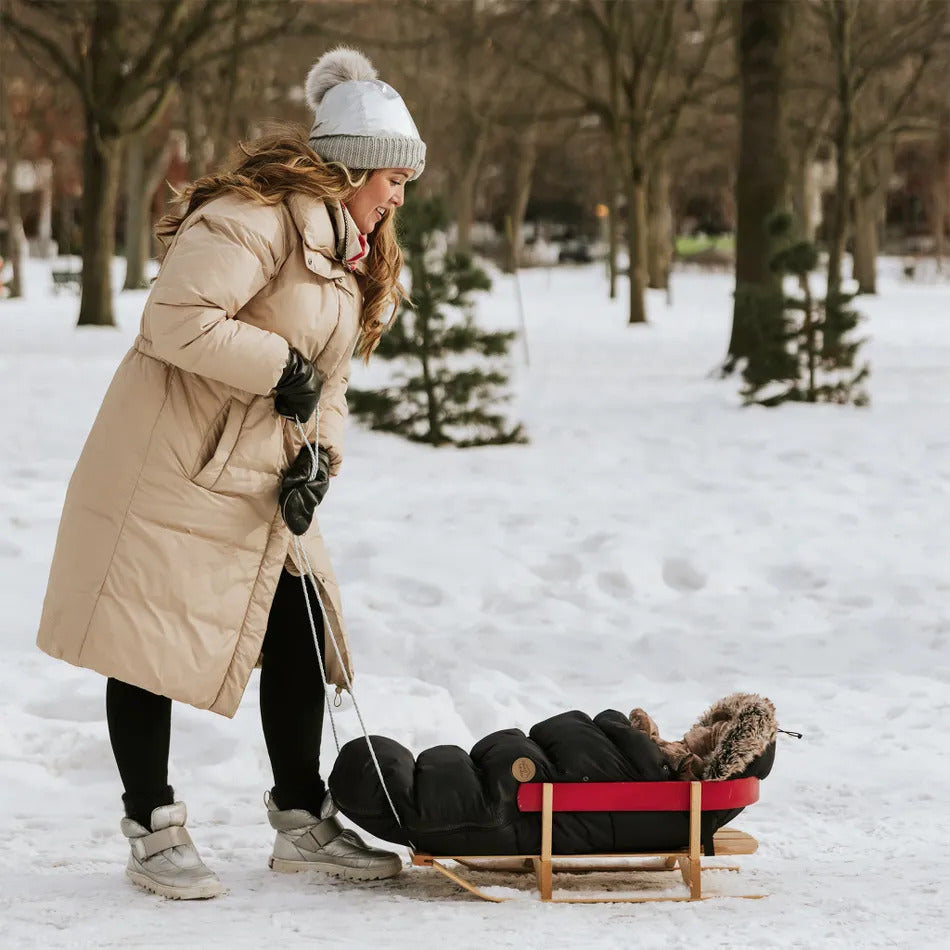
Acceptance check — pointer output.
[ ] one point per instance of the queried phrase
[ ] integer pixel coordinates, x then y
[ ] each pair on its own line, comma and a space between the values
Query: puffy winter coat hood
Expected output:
453, 802
170, 543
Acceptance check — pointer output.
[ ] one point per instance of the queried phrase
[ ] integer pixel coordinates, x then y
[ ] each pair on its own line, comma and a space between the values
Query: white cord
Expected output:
306, 571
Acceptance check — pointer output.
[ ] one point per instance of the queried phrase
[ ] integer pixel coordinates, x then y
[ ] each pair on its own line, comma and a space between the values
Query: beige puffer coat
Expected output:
171, 543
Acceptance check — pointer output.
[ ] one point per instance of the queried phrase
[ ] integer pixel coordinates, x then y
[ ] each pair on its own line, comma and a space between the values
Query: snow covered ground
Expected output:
654, 545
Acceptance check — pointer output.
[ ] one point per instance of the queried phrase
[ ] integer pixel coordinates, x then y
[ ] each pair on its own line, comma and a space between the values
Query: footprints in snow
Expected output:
419, 593
615, 584
794, 577
681, 575
567, 571
590, 569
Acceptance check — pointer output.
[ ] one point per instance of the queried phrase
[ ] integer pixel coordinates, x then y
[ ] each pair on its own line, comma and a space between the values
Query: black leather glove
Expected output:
303, 489
297, 392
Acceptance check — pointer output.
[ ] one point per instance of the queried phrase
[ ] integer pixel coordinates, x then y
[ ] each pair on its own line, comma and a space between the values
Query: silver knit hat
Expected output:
360, 120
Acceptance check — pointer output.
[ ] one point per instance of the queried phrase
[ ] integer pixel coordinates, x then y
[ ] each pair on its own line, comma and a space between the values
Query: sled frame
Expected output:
726, 841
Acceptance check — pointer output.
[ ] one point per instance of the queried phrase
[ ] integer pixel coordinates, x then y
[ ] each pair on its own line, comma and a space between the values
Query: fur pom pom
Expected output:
338, 65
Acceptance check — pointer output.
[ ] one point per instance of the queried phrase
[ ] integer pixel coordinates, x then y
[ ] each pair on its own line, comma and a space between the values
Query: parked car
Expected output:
575, 250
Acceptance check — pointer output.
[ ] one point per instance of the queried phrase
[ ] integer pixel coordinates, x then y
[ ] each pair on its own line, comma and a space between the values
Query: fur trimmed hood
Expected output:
724, 740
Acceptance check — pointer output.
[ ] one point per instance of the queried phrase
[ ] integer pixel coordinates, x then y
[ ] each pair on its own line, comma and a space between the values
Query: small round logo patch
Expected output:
523, 769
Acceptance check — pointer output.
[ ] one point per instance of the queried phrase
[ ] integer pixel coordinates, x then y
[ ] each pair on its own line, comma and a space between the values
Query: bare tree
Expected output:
869, 204
123, 61
635, 66
940, 191
659, 216
472, 86
144, 170
11, 207
880, 51
809, 115
219, 99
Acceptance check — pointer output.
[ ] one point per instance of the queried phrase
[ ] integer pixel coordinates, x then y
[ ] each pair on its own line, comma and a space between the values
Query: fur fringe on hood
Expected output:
333, 67
722, 743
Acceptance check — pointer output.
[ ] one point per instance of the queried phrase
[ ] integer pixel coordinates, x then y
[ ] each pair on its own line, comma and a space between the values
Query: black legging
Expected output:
292, 701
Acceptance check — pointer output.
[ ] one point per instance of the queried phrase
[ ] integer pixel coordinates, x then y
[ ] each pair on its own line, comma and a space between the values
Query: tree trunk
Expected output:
433, 410
135, 213
844, 134
465, 209
636, 242
805, 194
659, 226
865, 244
527, 154
155, 170
223, 120
465, 188
15, 236
613, 245
611, 223
874, 171
939, 194
101, 173
143, 176
194, 129
939, 216
760, 184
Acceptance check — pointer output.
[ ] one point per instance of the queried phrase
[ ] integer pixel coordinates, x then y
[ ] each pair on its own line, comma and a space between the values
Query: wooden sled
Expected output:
547, 798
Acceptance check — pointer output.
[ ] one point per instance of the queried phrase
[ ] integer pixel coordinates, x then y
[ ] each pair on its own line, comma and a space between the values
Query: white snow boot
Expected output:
309, 843
165, 860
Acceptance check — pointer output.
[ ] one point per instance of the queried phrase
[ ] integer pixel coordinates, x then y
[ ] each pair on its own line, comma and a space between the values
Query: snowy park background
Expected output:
655, 545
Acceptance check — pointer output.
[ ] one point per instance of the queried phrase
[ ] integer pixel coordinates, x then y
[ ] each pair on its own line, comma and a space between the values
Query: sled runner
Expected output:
550, 798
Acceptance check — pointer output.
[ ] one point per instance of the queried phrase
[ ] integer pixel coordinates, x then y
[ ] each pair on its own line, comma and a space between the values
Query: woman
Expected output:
174, 573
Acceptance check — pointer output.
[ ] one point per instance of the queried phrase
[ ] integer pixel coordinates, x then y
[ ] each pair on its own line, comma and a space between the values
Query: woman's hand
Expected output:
303, 488
297, 392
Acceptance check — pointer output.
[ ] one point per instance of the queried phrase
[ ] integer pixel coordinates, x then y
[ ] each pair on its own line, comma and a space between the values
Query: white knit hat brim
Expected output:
372, 151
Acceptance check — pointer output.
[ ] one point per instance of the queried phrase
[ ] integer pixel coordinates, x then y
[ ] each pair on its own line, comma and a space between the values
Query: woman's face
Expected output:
383, 191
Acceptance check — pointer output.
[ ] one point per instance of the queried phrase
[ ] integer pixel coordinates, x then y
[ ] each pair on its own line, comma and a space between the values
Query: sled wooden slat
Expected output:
733, 841
549, 798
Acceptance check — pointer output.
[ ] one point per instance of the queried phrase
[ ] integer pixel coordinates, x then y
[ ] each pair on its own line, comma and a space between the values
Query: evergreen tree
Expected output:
448, 386
809, 355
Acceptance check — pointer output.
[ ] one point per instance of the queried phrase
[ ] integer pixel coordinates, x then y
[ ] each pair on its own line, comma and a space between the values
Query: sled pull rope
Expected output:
307, 572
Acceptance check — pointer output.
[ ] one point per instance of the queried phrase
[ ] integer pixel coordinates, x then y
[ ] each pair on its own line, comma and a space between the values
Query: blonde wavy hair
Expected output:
282, 163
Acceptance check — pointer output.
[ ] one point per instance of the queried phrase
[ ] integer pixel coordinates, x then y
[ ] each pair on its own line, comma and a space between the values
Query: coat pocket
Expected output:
219, 443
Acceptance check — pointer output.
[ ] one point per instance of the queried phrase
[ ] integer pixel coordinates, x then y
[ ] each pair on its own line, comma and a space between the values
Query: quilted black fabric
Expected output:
455, 802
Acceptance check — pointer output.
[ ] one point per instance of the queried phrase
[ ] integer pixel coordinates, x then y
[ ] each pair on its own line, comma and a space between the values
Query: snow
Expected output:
655, 545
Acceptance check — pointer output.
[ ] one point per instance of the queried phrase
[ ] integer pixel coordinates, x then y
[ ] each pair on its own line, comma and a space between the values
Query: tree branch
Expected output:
22, 31
152, 113
248, 42
173, 17
691, 93
661, 58
871, 136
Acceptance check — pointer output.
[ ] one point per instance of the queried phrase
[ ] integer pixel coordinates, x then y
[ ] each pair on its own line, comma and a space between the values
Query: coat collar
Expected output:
327, 228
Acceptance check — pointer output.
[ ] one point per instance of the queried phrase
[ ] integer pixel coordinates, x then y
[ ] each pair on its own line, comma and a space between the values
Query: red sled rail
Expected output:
639, 796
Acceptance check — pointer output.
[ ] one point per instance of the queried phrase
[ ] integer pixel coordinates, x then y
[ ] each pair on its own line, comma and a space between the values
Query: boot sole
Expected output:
334, 870
194, 892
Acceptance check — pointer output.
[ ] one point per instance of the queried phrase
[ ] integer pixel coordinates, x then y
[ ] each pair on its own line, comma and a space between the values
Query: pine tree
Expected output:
810, 354
447, 389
